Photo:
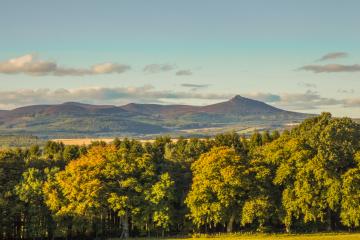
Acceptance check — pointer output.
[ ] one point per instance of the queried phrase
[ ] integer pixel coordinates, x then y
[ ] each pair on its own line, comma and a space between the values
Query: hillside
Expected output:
73, 119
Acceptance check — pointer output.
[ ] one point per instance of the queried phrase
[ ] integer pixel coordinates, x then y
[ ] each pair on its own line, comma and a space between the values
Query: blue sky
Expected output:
187, 52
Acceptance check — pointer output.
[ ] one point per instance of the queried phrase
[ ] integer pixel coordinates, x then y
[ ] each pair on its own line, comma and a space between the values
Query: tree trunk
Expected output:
69, 231
229, 227
125, 225
50, 227
329, 220
287, 228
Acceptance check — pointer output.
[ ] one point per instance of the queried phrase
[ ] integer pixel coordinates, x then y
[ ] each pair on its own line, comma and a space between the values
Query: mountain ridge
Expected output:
138, 119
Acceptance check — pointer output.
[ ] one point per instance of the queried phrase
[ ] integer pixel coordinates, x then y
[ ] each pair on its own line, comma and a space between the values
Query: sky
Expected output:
296, 55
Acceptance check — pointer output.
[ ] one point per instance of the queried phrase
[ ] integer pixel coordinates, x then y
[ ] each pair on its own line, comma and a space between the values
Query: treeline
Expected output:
306, 179
9, 141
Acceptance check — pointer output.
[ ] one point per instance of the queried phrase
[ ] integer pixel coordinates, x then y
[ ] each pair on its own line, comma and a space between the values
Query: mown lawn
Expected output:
323, 236
328, 236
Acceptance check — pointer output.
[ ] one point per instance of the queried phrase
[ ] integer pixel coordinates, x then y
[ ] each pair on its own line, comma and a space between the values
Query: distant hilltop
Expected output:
72, 119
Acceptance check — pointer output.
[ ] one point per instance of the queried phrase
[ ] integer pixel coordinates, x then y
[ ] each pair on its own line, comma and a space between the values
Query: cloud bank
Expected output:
148, 94
98, 95
30, 64
303, 101
331, 68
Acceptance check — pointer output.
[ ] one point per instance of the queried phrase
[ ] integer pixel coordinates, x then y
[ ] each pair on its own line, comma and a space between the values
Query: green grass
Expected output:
324, 236
318, 236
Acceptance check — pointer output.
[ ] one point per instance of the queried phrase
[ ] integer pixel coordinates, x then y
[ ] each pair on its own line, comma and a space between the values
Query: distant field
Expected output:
82, 141
87, 141
325, 236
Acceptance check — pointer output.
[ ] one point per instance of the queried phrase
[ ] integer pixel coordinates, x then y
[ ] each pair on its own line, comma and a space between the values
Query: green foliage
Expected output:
71, 152
218, 188
161, 196
256, 210
310, 163
350, 202
36, 214
11, 168
54, 150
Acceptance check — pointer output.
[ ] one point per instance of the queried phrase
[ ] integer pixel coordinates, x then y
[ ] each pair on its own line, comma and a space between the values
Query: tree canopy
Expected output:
304, 179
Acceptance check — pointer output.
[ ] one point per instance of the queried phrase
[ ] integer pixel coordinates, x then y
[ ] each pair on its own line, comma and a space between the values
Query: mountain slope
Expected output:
78, 119
241, 106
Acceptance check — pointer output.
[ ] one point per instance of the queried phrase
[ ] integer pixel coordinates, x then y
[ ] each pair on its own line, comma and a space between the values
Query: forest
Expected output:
306, 179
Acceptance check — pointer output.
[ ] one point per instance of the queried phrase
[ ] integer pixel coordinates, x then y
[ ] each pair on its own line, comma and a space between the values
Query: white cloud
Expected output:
264, 97
346, 91
331, 68
307, 85
158, 68
109, 68
27, 64
352, 102
333, 55
307, 100
184, 73
30, 64
194, 86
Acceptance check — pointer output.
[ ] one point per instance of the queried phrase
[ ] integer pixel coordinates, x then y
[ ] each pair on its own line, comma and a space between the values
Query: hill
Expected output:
74, 119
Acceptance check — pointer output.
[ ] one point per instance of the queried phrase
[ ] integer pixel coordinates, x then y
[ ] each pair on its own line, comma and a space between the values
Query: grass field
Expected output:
318, 236
324, 236
82, 141
327, 236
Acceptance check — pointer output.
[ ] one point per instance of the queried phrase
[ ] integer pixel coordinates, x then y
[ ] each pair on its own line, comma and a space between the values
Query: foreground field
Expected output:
324, 236
330, 236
